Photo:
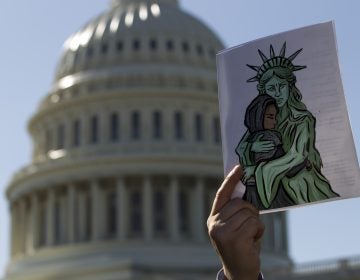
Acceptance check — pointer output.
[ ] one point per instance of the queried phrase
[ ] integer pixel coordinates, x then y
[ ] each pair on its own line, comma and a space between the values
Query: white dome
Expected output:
144, 26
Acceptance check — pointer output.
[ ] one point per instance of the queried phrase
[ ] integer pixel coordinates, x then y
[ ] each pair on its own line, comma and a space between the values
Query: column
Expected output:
22, 233
63, 218
12, 229
198, 226
16, 228
174, 210
147, 209
121, 209
34, 224
50, 217
28, 228
81, 216
71, 212
95, 211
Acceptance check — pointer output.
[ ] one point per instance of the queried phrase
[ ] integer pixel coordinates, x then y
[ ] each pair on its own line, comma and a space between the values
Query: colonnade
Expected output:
80, 212
101, 127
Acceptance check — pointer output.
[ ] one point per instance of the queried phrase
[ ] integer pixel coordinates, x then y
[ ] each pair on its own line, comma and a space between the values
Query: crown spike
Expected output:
298, 67
283, 49
292, 57
272, 53
255, 68
263, 57
275, 61
253, 79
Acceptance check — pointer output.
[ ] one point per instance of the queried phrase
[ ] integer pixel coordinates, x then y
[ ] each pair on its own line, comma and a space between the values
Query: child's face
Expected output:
270, 117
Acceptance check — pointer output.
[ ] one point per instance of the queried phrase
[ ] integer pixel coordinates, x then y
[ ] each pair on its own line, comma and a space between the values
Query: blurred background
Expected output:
33, 34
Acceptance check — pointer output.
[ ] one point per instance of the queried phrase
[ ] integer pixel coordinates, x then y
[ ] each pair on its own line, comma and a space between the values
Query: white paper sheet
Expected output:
322, 93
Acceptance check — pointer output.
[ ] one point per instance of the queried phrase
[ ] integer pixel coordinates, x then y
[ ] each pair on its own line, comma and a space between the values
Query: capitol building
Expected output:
127, 158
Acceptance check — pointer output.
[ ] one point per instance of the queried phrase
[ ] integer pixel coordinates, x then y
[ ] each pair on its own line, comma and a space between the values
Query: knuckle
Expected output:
217, 233
213, 232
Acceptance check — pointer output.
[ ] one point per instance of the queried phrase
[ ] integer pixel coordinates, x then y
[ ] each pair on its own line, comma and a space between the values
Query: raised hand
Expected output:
235, 231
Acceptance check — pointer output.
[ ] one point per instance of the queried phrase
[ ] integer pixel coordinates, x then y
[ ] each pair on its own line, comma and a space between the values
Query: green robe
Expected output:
298, 136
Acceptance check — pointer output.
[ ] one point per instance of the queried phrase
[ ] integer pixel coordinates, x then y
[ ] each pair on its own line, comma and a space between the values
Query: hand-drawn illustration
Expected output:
282, 165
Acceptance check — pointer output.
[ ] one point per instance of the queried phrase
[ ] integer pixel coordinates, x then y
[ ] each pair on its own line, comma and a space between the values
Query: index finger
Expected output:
226, 189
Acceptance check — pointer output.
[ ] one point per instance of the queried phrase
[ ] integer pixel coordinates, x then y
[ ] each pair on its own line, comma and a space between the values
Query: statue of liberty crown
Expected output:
275, 61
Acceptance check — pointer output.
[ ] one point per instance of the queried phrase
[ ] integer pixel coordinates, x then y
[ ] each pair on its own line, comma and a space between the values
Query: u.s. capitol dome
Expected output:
126, 154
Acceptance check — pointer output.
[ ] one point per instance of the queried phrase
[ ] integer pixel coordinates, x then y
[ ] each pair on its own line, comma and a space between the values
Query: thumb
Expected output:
226, 189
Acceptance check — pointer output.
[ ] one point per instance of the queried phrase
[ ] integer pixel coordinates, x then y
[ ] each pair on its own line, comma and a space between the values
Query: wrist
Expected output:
226, 275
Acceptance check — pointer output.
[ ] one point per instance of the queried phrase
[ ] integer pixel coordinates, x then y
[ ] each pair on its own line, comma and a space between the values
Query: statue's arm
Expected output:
243, 150
268, 174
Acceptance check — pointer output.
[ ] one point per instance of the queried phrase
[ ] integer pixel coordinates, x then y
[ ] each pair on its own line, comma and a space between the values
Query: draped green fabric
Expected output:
298, 136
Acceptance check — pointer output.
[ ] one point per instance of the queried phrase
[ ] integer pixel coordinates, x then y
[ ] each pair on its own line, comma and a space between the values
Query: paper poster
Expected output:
284, 119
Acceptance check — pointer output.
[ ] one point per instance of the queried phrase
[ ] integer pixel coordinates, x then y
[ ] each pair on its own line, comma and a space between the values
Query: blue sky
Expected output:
32, 36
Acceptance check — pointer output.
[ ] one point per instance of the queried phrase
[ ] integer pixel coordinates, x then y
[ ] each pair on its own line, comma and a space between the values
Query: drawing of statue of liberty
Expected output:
282, 165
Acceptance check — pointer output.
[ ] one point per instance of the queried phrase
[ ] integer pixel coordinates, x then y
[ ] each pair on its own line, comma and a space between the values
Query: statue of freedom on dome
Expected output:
294, 176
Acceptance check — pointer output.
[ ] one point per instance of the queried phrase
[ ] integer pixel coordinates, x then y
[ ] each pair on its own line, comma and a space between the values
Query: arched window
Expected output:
216, 130
114, 127
60, 137
160, 212
199, 129
178, 126
185, 47
76, 133
94, 129
136, 45
153, 44
135, 125
104, 48
169, 45
200, 50
57, 221
89, 52
157, 125
119, 46
136, 219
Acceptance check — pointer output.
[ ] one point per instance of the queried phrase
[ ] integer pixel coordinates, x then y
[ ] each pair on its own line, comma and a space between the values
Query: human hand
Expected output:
262, 146
235, 231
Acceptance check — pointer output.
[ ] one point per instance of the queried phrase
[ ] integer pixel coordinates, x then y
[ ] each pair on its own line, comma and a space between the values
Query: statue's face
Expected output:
278, 89
270, 117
